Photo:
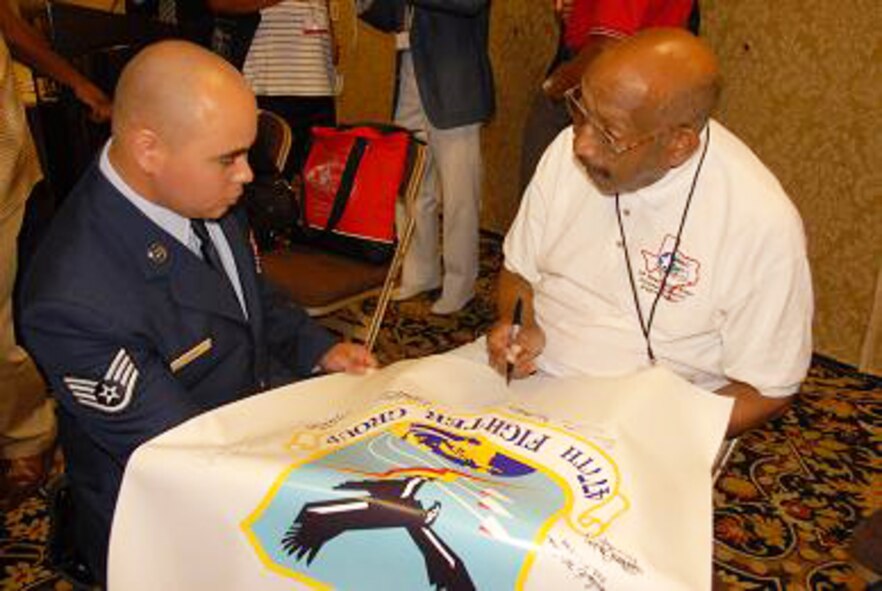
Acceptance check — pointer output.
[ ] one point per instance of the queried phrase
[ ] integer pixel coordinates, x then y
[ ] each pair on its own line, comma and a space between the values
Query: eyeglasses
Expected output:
582, 117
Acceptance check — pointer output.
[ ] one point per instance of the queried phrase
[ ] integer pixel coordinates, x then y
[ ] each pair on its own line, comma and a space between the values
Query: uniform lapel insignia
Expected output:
256, 252
113, 392
157, 253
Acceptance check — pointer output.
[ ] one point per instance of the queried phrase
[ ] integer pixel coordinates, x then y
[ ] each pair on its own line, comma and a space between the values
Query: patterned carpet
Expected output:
785, 506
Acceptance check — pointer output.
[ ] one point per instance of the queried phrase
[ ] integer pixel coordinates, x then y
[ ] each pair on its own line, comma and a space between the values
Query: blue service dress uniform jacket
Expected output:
136, 334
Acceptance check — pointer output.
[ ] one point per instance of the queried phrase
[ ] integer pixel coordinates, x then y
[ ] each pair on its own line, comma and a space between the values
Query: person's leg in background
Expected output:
27, 414
457, 154
422, 263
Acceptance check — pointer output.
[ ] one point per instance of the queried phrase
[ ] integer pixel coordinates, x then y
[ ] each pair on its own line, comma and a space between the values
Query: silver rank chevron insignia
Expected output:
113, 392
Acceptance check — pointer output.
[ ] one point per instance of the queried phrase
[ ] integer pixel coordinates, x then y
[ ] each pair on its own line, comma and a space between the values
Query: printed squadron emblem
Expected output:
412, 506
388, 504
113, 392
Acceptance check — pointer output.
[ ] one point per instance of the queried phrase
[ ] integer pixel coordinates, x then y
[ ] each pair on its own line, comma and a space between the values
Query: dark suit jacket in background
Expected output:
448, 40
107, 279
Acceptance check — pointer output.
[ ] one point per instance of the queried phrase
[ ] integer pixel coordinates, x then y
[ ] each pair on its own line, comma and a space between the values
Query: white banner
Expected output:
429, 475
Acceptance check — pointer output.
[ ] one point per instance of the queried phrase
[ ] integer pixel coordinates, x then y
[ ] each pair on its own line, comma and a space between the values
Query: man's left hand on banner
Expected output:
348, 357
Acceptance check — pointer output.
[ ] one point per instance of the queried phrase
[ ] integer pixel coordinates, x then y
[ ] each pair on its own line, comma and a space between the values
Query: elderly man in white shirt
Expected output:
642, 174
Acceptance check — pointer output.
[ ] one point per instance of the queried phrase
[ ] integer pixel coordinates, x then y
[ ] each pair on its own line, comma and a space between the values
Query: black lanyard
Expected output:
646, 326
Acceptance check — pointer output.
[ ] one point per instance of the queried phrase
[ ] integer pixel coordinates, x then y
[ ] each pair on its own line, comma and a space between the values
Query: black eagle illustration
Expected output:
389, 503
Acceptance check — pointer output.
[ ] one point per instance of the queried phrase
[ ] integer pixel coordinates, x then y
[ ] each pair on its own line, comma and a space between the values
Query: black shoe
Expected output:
62, 551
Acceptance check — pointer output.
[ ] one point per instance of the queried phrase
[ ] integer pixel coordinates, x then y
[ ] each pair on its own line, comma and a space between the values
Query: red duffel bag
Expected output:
351, 179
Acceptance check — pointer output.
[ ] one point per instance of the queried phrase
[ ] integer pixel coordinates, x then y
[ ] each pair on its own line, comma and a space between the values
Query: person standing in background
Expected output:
27, 422
290, 64
445, 94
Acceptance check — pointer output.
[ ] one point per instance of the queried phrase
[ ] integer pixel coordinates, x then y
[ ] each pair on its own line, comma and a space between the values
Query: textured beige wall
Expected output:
367, 62
523, 39
871, 354
803, 88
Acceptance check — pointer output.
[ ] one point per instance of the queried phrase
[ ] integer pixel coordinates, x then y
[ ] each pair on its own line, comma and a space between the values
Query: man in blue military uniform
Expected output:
145, 305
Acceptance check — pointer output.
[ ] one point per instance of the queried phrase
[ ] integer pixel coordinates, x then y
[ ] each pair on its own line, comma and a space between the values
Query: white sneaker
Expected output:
405, 292
444, 306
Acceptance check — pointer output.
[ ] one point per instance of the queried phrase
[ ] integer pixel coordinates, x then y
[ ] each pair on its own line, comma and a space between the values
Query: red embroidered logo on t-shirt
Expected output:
683, 275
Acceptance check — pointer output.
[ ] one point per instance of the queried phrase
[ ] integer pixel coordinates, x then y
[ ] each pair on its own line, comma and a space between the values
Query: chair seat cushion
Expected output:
318, 279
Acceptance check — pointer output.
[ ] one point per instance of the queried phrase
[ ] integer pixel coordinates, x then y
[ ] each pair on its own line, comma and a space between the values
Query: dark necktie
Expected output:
209, 252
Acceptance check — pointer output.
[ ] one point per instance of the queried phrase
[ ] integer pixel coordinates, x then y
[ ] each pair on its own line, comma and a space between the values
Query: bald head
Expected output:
183, 122
665, 76
646, 100
174, 87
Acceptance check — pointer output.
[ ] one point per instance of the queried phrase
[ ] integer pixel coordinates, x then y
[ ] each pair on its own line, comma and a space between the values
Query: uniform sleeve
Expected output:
114, 384
767, 333
293, 337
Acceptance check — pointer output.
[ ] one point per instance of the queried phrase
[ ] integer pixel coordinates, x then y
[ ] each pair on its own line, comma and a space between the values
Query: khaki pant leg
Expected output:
422, 261
27, 416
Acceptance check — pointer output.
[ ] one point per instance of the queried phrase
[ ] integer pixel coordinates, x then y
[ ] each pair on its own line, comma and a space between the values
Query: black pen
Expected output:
516, 319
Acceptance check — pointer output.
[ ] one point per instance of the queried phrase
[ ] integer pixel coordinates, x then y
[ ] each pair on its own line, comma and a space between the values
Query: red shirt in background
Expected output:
621, 18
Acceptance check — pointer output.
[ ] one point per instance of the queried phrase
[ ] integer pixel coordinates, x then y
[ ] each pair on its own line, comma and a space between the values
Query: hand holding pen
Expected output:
513, 349
514, 343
